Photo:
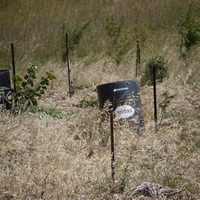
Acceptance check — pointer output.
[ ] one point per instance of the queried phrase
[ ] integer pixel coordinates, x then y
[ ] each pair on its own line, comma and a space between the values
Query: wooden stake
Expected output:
68, 65
13, 63
137, 71
112, 146
155, 100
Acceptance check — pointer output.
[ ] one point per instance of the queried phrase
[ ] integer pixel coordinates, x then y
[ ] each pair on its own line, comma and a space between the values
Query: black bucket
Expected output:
5, 78
125, 99
5, 89
6, 97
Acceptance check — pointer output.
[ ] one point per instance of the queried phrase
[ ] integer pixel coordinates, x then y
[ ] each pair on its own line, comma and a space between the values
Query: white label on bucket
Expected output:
120, 89
124, 111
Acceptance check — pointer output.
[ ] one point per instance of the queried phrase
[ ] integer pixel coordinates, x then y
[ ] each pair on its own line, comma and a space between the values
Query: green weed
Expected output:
104, 138
88, 102
49, 112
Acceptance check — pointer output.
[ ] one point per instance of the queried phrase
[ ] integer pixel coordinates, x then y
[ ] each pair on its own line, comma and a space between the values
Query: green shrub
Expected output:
120, 43
88, 102
28, 91
75, 37
114, 28
161, 71
189, 29
118, 51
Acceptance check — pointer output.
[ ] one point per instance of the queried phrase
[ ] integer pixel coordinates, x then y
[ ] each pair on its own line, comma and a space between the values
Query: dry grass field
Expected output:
62, 149
61, 153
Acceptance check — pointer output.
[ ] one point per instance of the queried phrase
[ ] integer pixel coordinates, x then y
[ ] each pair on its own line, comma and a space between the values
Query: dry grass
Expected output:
48, 158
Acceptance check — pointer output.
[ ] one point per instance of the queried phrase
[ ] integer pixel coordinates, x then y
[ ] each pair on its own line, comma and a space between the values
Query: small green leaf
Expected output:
34, 101
24, 84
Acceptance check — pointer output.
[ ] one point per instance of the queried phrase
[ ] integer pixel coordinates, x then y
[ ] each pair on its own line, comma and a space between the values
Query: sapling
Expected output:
28, 90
